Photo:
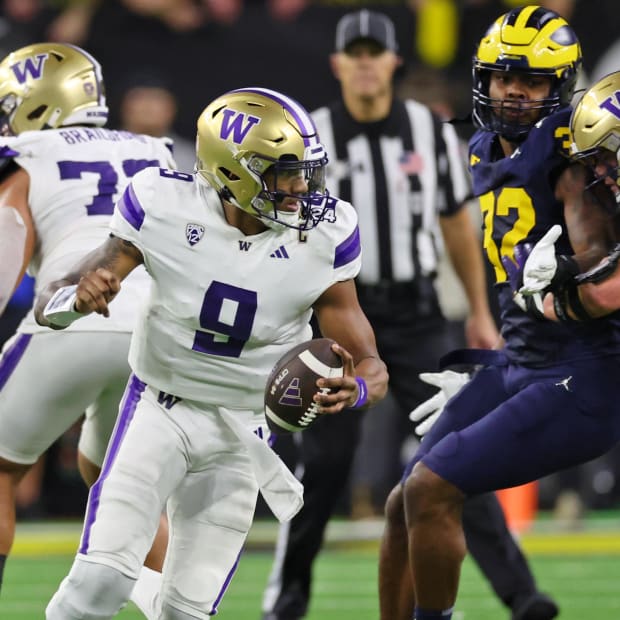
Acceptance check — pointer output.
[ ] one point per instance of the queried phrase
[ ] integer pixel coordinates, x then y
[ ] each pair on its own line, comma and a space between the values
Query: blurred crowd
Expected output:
164, 59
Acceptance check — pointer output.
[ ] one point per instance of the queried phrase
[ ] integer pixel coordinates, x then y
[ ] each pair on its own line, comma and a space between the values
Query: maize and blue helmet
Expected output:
529, 40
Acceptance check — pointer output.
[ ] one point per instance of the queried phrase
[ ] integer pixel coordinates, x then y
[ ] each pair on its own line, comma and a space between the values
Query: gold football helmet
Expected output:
534, 41
595, 122
49, 85
248, 132
595, 129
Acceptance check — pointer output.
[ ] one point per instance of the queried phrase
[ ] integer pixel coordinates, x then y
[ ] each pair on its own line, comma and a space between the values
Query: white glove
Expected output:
541, 264
449, 383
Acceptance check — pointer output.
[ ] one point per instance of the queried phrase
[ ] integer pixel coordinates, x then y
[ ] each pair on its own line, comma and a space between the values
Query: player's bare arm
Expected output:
97, 277
465, 254
17, 235
597, 298
590, 224
588, 219
341, 318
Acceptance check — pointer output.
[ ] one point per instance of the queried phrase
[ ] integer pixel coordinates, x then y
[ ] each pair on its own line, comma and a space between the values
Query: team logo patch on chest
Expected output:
194, 233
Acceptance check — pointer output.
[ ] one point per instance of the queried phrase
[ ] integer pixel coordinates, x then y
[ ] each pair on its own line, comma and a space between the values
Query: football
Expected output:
292, 384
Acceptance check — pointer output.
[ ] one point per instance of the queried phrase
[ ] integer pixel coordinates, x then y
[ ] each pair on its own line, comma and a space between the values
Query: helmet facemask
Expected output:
595, 131
603, 166
8, 104
498, 115
278, 174
530, 41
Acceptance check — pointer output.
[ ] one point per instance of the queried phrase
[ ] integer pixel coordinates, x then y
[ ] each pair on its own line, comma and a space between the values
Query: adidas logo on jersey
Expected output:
280, 253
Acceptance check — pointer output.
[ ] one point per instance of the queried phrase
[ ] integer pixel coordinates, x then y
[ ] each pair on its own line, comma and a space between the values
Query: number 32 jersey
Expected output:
76, 175
517, 199
224, 307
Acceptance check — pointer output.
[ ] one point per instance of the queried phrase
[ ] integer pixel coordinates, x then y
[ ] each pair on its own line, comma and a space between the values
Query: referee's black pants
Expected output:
325, 456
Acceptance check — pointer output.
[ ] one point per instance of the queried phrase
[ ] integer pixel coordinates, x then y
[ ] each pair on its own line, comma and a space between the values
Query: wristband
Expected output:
561, 306
60, 309
362, 397
579, 310
568, 298
567, 268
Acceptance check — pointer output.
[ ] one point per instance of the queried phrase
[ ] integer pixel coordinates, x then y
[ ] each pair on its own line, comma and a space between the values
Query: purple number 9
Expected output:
238, 332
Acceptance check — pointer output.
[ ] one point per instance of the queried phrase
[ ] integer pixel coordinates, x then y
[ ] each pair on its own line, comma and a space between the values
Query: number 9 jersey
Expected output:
224, 307
518, 204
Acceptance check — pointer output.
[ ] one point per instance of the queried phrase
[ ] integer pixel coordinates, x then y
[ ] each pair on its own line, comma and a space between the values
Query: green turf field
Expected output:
581, 569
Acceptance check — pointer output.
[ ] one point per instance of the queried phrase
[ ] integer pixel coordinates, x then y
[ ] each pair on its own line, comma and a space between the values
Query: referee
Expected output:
403, 171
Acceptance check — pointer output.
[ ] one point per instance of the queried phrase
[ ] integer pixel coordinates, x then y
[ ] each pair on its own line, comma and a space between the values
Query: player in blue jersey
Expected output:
541, 403
595, 131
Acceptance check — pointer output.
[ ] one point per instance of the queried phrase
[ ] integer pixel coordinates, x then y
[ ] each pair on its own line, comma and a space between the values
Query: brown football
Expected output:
292, 384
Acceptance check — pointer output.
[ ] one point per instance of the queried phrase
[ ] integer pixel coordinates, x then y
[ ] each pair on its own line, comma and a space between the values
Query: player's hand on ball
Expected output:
449, 383
95, 290
338, 393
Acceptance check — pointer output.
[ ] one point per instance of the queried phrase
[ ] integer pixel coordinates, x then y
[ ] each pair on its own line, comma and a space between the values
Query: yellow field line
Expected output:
63, 539
574, 543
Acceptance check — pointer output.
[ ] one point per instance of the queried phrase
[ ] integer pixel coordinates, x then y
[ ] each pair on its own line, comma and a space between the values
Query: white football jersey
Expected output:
224, 307
76, 176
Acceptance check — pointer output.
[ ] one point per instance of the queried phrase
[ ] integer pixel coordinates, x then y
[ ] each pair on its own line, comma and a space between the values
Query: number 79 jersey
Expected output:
224, 307
76, 174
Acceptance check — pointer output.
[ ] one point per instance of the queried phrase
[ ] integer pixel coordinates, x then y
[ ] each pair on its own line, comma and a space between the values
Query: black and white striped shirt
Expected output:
400, 174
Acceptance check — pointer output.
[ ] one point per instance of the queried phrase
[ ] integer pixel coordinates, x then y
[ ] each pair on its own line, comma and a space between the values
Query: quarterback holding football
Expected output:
241, 254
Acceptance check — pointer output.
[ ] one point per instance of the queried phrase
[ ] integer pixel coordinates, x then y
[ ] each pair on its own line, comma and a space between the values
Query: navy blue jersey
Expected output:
518, 205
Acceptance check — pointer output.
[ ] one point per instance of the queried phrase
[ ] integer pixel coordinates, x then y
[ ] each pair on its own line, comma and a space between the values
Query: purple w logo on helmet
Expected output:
612, 106
29, 67
237, 124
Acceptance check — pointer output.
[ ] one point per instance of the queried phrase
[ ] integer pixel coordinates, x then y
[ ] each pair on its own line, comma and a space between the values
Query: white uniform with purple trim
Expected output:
48, 379
224, 307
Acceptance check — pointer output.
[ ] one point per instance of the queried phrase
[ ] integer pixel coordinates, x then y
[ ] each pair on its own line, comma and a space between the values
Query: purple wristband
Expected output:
363, 393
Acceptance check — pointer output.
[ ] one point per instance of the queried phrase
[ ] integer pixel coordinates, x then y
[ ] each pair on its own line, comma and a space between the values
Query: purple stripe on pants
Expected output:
11, 357
225, 586
131, 398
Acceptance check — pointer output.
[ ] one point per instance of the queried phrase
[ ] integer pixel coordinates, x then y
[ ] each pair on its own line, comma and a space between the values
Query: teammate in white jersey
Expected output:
60, 175
240, 254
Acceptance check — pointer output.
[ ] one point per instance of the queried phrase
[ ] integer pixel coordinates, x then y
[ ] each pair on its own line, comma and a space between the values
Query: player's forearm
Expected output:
601, 299
465, 254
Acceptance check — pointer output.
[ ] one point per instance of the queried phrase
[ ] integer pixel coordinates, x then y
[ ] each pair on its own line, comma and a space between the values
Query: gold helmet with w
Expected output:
248, 133
49, 85
530, 40
595, 121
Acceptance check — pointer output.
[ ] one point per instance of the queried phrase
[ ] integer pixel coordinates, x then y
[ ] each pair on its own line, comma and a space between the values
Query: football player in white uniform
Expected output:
240, 255
60, 175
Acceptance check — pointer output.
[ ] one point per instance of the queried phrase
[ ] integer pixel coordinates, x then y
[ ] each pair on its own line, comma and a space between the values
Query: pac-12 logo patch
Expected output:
194, 233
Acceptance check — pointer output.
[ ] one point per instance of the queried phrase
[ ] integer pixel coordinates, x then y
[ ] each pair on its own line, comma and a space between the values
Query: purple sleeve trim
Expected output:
348, 250
130, 208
